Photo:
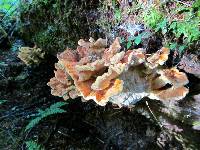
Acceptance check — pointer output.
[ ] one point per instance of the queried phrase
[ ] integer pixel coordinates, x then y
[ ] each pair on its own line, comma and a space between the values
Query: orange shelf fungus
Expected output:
96, 72
173, 77
159, 58
62, 86
169, 94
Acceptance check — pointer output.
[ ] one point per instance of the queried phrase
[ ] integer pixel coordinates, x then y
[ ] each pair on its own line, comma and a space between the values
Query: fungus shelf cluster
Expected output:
97, 72
31, 56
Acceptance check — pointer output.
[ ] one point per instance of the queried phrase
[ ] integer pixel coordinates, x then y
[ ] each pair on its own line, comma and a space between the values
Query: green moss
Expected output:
152, 17
53, 25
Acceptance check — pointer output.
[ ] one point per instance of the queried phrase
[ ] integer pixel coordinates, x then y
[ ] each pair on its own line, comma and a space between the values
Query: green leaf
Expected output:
162, 26
145, 34
32, 145
173, 25
3, 64
181, 48
40, 111
138, 39
173, 46
128, 45
2, 101
164, 31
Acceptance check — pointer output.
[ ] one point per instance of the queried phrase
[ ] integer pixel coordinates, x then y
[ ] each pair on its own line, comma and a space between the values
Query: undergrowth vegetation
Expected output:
52, 110
176, 22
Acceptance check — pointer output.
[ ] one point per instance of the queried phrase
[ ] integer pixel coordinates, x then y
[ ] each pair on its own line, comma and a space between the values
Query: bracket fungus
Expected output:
61, 85
31, 55
158, 58
96, 72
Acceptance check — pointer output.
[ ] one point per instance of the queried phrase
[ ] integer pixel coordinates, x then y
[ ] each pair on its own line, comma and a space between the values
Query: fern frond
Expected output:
58, 105
31, 145
2, 101
53, 109
33, 122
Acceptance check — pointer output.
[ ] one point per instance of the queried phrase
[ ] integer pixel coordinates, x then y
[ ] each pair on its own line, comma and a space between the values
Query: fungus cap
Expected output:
158, 58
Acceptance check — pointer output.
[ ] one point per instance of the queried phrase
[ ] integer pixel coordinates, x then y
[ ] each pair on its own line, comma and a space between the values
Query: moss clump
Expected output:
152, 17
52, 24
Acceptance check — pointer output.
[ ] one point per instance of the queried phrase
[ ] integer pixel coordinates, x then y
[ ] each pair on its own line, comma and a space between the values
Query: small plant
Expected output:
176, 46
162, 26
136, 39
189, 32
179, 27
53, 109
32, 145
